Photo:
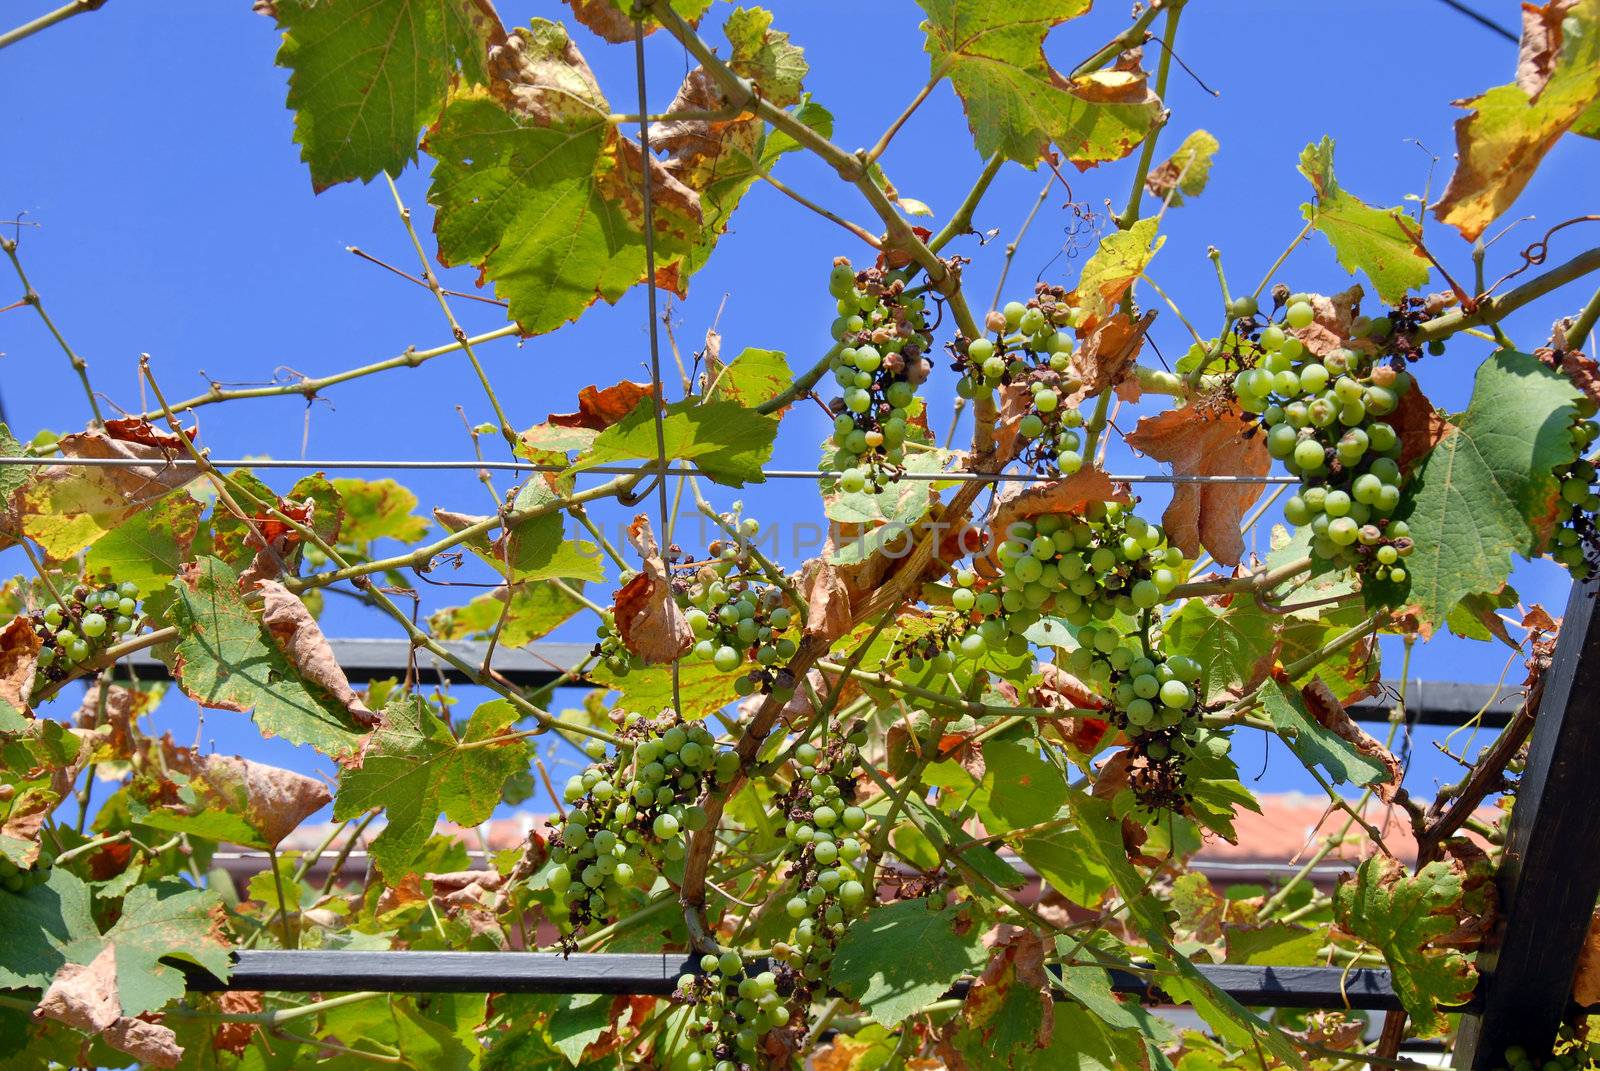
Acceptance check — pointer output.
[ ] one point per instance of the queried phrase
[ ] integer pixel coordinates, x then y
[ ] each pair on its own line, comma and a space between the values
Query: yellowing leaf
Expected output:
1016, 103
1511, 127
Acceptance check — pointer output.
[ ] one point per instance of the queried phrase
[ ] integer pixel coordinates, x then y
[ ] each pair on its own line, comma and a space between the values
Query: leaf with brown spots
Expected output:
1576, 366
1206, 439
227, 798
647, 617
1331, 715
1008, 1014
599, 409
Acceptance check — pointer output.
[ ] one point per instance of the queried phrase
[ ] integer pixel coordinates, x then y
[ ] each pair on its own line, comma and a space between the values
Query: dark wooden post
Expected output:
1551, 874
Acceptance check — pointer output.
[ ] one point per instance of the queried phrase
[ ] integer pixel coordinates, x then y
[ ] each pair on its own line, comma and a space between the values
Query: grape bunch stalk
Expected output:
631, 809
1032, 351
1081, 567
1153, 699
1324, 417
882, 359
82, 626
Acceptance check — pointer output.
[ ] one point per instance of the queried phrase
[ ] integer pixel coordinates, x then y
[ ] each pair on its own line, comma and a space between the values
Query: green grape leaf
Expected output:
378, 509
1502, 140
148, 548
728, 442
534, 185
1213, 785
52, 925
39, 761
47, 926
537, 548
224, 661
1186, 172
1091, 987
1016, 103
1402, 915
536, 610
1273, 944
1063, 861
883, 520
1326, 737
753, 377
367, 76
648, 689
1229, 1019
955, 844
765, 56
1021, 788
1489, 489
415, 768
1233, 644
578, 1021
1477, 616
898, 958
1376, 241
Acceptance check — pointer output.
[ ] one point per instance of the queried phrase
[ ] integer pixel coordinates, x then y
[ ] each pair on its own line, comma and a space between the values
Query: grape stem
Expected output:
1493, 309
1584, 323
30, 296
1147, 151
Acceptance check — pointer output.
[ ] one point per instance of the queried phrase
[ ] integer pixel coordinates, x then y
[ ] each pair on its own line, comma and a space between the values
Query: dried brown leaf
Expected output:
1331, 715
598, 408
84, 996
1206, 439
1330, 328
647, 617
19, 662
298, 636
235, 1037
1586, 982
606, 19
152, 1044
274, 800
1109, 350
1419, 426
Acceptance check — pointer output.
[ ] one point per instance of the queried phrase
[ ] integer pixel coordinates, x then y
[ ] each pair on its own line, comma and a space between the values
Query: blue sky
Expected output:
151, 145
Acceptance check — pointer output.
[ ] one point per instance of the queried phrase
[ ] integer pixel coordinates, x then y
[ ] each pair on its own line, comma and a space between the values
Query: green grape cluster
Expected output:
1079, 567
1153, 700
1571, 1054
1324, 418
631, 810
1577, 540
829, 859
90, 620
733, 1009
738, 615
1031, 349
882, 360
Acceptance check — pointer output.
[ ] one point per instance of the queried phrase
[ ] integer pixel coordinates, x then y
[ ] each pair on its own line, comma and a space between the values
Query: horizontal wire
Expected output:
609, 470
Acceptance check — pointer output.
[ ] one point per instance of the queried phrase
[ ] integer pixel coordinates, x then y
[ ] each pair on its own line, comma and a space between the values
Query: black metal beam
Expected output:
657, 974
1551, 873
538, 664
